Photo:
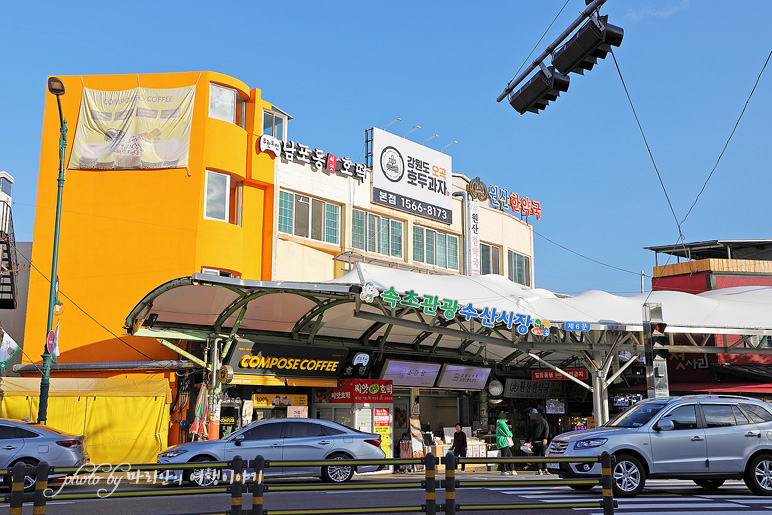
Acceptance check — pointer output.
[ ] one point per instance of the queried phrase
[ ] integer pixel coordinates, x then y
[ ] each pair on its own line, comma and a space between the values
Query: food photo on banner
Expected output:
133, 129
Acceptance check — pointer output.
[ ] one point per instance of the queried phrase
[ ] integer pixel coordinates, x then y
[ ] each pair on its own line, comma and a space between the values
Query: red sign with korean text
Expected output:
551, 375
363, 390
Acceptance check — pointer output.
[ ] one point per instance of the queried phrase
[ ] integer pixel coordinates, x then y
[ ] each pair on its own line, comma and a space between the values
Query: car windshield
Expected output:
637, 415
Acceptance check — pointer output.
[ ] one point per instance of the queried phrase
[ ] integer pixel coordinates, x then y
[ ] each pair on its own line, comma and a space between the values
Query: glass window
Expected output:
435, 248
375, 233
518, 268
358, 230
739, 416
267, 431
489, 259
303, 430
285, 212
637, 415
273, 124
222, 103
8, 433
308, 217
217, 198
330, 431
25, 433
718, 415
683, 417
757, 413
5, 186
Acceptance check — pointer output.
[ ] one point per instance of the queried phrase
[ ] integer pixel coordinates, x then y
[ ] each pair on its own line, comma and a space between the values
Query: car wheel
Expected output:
29, 479
628, 475
709, 484
204, 476
758, 475
337, 473
582, 488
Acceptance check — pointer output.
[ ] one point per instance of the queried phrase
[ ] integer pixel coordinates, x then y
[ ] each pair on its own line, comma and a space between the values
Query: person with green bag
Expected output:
504, 445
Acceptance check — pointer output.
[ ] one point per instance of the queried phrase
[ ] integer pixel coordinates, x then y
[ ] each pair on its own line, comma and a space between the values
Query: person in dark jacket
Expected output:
459, 445
538, 432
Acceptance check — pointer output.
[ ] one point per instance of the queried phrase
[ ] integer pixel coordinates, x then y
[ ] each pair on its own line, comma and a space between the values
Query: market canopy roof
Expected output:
204, 306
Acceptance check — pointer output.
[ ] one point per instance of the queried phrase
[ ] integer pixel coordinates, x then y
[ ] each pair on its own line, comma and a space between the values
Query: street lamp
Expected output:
397, 119
56, 88
449, 144
411, 130
430, 137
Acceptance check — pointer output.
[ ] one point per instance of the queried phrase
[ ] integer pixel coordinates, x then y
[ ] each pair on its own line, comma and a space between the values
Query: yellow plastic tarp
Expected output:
123, 420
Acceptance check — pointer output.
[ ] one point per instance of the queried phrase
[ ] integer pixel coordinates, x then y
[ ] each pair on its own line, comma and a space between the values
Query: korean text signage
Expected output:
410, 373
577, 326
381, 423
459, 376
363, 390
411, 177
287, 360
320, 161
501, 199
526, 389
551, 375
432, 305
279, 400
135, 128
474, 234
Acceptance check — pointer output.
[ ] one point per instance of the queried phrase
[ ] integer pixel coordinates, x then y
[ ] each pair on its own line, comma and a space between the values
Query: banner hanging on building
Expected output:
411, 177
132, 129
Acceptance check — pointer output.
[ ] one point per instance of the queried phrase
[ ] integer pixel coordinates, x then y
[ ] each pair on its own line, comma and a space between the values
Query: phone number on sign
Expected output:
424, 209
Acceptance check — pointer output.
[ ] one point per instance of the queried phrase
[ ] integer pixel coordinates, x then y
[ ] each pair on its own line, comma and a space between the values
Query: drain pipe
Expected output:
118, 365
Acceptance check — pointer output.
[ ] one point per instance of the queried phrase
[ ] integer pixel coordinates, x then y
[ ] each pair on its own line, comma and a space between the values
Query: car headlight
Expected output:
588, 444
172, 453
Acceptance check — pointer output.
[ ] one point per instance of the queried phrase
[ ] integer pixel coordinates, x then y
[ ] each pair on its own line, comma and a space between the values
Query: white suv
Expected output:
705, 438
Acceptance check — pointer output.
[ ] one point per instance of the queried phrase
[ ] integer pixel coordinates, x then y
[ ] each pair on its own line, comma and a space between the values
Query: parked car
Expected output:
281, 439
704, 438
23, 442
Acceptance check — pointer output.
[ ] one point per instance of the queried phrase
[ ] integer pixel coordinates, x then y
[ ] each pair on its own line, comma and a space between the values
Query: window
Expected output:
226, 104
519, 268
489, 259
24, 433
217, 272
435, 248
375, 233
309, 217
273, 124
757, 413
303, 430
267, 431
683, 417
5, 186
718, 415
331, 431
223, 198
8, 433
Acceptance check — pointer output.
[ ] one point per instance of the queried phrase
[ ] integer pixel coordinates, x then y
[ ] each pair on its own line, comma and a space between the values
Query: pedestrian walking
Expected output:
537, 435
504, 445
459, 445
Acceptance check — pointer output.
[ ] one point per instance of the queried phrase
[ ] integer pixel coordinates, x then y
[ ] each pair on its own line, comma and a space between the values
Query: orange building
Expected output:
130, 224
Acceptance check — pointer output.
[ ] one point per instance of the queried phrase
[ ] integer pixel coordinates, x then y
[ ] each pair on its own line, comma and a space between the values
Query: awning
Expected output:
92, 387
312, 381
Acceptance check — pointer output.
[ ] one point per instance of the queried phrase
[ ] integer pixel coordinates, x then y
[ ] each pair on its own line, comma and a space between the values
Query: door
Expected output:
305, 441
682, 450
262, 439
11, 444
731, 437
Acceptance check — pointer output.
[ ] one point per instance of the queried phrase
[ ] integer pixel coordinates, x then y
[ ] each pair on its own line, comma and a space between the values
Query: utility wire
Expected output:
728, 140
537, 43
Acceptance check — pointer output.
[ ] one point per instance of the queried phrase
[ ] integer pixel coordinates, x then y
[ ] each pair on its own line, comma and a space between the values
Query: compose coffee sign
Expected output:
287, 360
411, 177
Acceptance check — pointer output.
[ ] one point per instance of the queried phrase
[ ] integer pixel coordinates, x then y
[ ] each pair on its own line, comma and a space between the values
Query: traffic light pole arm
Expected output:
585, 14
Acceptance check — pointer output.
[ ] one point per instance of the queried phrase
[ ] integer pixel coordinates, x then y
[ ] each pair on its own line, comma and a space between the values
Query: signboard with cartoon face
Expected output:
411, 177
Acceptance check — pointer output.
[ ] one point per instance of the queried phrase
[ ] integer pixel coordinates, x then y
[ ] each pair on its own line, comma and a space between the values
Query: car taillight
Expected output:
376, 442
69, 443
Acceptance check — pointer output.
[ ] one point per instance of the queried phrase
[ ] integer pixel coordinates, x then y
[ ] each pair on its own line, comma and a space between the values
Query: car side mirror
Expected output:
664, 424
238, 440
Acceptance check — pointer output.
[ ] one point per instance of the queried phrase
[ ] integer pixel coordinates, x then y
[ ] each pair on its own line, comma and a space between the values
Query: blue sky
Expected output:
342, 67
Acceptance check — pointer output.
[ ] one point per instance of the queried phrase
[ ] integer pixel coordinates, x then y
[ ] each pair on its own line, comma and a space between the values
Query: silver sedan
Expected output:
281, 439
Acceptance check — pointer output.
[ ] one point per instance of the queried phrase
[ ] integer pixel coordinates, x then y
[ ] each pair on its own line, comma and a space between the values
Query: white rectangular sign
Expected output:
459, 376
410, 373
474, 234
411, 177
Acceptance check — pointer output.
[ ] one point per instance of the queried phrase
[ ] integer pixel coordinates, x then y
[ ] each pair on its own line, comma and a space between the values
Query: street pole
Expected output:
56, 87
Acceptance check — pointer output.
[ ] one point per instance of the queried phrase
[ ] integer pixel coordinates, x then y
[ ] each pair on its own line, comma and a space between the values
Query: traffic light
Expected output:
539, 91
659, 340
592, 42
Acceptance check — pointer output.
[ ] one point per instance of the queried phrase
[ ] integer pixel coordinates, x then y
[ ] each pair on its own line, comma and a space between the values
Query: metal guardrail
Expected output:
255, 485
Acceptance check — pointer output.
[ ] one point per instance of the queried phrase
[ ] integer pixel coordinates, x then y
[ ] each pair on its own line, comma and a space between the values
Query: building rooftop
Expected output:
719, 249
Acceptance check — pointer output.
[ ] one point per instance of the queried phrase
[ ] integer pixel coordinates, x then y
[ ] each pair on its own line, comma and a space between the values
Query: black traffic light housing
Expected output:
659, 340
593, 41
539, 91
